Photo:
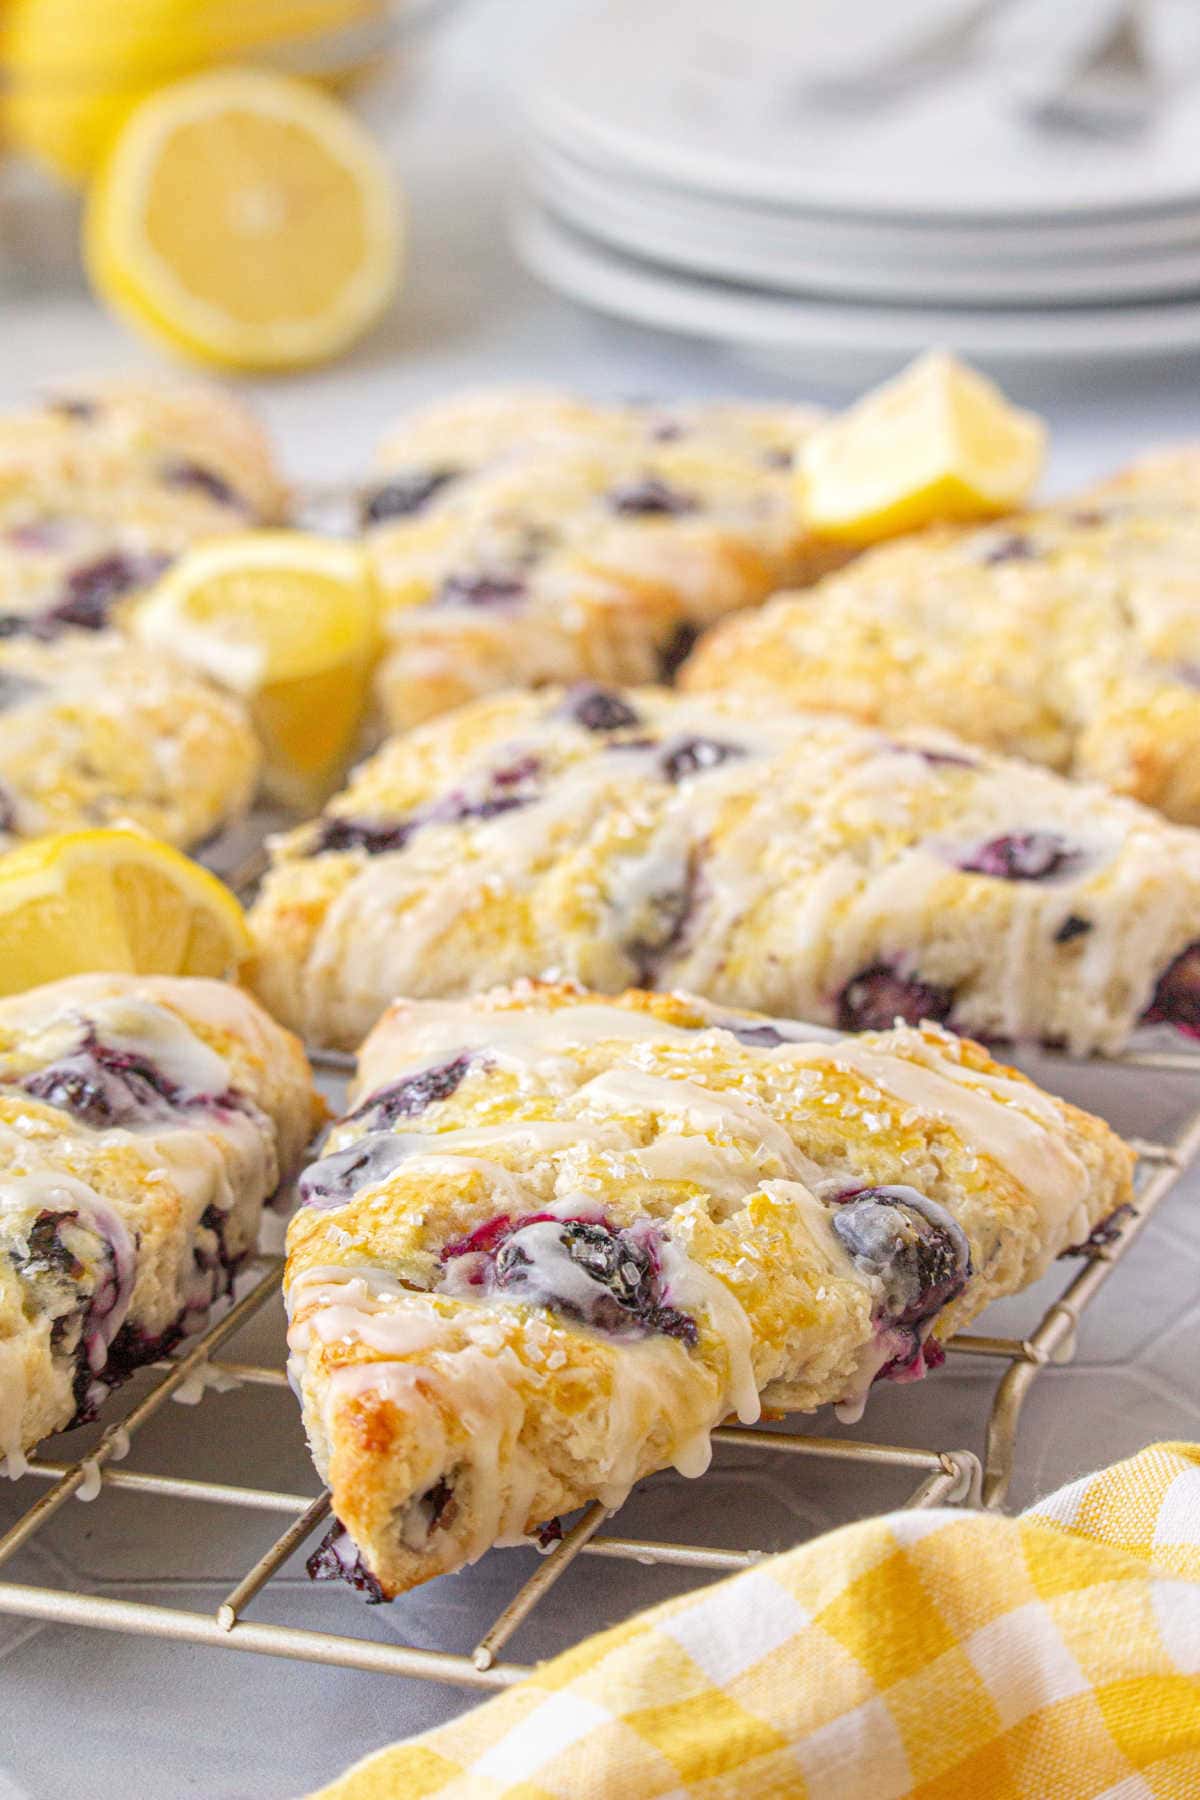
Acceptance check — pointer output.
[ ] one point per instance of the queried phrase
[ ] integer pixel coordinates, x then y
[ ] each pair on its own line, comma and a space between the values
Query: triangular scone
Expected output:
95, 730
799, 864
1070, 636
559, 1238
107, 482
144, 1121
101, 488
524, 536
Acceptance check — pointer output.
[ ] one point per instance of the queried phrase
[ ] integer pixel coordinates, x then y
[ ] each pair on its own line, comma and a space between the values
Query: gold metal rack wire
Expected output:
944, 1476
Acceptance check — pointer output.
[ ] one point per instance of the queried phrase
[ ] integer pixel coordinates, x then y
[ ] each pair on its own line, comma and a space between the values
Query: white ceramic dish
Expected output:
865, 238
838, 340
691, 95
704, 237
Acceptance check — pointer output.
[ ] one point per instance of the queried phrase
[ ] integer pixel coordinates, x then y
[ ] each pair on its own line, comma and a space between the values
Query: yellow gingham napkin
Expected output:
939, 1655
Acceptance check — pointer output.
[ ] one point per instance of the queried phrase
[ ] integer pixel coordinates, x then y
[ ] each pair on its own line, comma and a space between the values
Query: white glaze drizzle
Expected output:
427, 1349
726, 1112
1029, 1148
142, 1027
224, 1159
855, 896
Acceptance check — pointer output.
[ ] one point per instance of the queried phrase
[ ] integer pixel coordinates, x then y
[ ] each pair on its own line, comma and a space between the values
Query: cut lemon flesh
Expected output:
246, 220
98, 900
287, 620
940, 442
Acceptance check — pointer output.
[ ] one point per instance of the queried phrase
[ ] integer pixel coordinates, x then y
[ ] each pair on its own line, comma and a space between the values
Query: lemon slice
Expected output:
287, 620
247, 220
87, 900
939, 442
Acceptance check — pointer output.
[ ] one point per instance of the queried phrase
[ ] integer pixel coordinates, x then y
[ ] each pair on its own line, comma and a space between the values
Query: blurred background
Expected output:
783, 196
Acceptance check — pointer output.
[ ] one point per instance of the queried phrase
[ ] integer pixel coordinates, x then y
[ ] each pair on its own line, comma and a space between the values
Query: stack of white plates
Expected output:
684, 170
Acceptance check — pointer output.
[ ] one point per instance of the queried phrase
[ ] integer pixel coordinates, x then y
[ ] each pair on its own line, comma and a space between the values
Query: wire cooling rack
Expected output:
941, 1476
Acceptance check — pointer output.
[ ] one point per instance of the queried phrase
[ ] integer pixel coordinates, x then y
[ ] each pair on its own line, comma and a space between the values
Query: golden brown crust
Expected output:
793, 863
144, 1121
463, 1380
96, 731
537, 537
1069, 636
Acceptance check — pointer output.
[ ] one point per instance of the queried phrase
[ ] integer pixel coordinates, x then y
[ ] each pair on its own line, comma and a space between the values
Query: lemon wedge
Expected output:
940, 442
288, 620
87, 900
245, 220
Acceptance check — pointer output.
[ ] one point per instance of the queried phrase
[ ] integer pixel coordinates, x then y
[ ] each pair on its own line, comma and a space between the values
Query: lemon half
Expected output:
245, 220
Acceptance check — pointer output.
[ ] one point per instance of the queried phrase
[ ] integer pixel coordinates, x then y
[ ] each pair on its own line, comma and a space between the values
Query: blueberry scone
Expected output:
144, 1122
104, 485
558, 1239
526, 537
1069, 636
803, 865
95, 731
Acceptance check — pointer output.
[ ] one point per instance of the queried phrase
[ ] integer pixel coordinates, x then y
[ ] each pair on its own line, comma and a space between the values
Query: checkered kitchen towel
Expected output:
941, 1655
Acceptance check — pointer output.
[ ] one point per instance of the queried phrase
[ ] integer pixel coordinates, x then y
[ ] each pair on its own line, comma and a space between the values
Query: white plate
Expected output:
713, 97
846, 340
872, 240
735, 244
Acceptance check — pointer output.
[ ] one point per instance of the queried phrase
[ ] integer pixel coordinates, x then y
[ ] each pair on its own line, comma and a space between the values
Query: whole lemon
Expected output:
75, 69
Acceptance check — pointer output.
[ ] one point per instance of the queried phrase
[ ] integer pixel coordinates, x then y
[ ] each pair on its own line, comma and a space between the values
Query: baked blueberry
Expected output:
1104, 1232
336, 1558
405, 494
1177, 996
94, 589
39, 535
508, 788
92, 1091
675, 651
914, 1247
599, 709
46, 1249
1023, 856
696, 756
481, 589
404, 1099
874, 999
1016, 547
663, 921
104, 1087
67, 406
181, 472
338, 1177
586, 1269
938, 759
756, 1037
375, 836
649, 498
434, 1510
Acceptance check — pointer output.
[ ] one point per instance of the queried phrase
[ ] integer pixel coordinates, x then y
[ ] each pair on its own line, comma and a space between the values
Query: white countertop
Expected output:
87, 1712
